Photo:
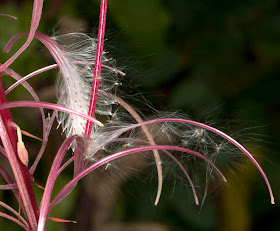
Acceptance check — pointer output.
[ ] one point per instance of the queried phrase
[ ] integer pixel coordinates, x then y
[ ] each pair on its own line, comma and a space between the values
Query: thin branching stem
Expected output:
14, 220
97, 66
69, 186
149, 137
51, 180
40, 104
4, 205
20, 171
50, 67
36, 16
207, 127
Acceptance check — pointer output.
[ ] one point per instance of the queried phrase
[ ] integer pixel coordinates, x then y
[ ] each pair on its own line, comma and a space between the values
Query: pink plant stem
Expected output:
10, 181
30, 75
173, 158
4, 205
98, 63
65, 165
207, 127
50, 67
21, 174
8, 187
14, 220
150, 138
36, 15
44, 144
2, 150
40, 104
79, 157
69, 186
51, 180
35, 96
8, 15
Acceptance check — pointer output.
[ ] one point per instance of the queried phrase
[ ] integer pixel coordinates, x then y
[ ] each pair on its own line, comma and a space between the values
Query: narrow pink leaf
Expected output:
2, 150
149, 137
44, 144
30, 135
39, 186
65, 165
36, 15
10, 181
8, 186
9, 16
61, 220
41, 104
35, 96
51, 179
13, 211
20, 81
207, 127
70, 185
13, 124
173, 158
43, 69
14, 220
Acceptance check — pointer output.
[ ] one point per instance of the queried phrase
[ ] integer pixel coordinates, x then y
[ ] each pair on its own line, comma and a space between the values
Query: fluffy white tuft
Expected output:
75, 81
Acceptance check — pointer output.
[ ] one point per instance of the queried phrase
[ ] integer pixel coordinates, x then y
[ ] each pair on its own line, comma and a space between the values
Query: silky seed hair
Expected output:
74, 86
75, 82
76, 62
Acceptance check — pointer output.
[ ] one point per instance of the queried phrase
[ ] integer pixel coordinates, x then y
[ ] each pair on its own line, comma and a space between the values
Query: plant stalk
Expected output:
97, 67
20, 171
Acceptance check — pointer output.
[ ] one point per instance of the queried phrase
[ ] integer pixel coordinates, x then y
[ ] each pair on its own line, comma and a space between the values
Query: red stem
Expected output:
20, 171
97, 67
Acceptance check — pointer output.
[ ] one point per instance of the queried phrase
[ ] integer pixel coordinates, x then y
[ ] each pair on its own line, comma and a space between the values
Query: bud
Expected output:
22, 153
21, 150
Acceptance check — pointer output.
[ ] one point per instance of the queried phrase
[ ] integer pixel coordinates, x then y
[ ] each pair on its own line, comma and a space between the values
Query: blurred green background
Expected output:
214, 60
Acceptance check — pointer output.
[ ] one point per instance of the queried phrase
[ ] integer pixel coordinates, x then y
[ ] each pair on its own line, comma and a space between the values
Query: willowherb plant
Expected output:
87, 90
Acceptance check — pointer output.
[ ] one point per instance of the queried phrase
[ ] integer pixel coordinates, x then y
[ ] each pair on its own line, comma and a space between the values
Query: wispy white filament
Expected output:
75, 80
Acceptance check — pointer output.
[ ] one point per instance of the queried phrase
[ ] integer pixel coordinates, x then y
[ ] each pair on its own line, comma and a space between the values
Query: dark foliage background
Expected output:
214, 60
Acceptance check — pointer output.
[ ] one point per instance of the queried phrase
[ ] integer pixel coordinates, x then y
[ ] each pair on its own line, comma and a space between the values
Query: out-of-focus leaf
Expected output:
193, 95
182, 201
145, 22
